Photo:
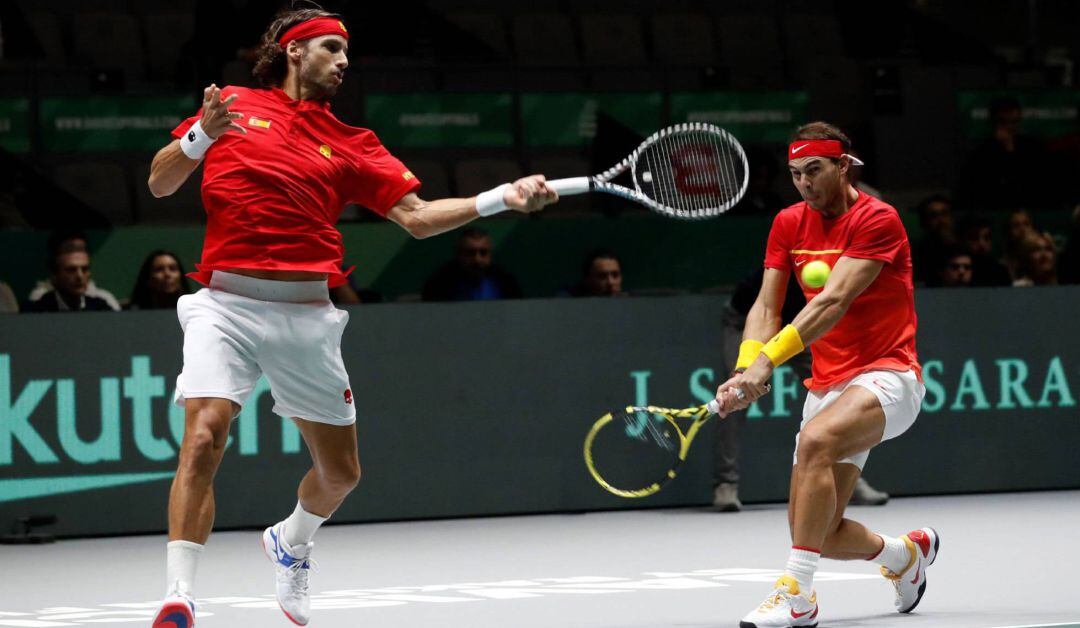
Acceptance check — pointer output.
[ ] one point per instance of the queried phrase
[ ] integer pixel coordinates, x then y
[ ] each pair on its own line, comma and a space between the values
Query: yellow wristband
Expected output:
748, 352
783, 346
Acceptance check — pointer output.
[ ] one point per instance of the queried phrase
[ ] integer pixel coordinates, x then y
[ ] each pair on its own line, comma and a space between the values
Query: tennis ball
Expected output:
815, 274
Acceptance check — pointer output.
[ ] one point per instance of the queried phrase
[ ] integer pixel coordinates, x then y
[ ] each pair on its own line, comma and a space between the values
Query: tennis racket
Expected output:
636, 451
690, 171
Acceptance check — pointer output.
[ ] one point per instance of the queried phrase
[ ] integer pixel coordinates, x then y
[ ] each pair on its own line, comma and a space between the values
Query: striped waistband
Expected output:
270, 289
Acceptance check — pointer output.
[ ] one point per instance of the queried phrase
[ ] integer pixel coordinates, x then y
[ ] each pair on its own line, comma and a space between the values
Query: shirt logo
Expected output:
325, 150
408, 176
259, 122
348, 396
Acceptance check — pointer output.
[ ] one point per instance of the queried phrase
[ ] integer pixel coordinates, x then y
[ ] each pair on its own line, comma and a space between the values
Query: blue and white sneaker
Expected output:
292, 565
177, 611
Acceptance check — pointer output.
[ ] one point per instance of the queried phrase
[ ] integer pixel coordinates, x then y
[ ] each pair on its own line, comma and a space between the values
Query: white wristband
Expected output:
196, 142
491, 202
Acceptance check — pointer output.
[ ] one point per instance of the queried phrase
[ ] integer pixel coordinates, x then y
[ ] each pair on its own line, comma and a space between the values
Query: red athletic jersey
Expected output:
273, 196
878, 329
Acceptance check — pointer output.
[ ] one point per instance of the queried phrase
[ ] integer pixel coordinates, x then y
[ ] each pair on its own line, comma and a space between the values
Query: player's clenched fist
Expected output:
529, 194
216, 118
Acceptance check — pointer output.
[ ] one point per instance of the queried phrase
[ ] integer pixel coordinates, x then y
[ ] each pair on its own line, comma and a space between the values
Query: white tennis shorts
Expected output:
899, 392
241, 327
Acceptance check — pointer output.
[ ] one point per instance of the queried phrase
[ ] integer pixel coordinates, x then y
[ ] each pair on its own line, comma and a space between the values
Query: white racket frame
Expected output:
602, 181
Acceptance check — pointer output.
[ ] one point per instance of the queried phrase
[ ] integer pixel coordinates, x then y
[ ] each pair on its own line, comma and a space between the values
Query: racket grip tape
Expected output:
571, 186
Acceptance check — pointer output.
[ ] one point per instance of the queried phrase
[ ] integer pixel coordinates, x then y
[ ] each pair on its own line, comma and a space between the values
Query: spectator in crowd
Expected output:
976, 238
471, 275
728, 431
1003, 169
8, 303
161, 282
1069, 266
1037, 262
1017, 227
936, 222
955, 269
601, 276
71, 240
70, 275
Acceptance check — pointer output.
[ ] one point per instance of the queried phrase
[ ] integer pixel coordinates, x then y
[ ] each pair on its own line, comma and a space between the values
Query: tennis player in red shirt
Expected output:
866, 384
278, 169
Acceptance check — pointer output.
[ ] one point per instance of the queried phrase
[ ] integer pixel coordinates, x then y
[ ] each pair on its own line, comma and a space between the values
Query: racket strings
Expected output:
692, 171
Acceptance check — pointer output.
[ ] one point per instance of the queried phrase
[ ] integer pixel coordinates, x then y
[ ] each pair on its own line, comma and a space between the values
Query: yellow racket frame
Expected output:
699, 414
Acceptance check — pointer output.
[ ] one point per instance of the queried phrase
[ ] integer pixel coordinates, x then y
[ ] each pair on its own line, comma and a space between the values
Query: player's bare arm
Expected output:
423, 219
849, 278
171, 166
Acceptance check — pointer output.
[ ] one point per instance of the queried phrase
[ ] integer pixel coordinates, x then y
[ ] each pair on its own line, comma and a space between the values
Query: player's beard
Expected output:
321, 86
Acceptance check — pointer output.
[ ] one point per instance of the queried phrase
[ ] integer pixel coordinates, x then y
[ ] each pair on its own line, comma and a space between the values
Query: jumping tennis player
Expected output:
866, 384
279, 168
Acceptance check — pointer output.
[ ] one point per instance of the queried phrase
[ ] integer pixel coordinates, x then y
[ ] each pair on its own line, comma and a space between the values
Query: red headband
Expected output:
314, 28
819, 148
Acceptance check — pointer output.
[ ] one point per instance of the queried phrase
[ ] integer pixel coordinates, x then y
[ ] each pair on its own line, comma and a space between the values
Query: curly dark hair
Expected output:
272, 65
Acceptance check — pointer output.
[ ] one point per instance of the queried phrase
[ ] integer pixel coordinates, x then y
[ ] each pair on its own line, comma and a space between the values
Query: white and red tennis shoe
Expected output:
786, 607
910, 584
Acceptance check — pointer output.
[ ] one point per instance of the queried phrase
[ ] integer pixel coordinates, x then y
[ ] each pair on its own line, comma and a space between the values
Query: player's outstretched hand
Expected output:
216, 119
529, 194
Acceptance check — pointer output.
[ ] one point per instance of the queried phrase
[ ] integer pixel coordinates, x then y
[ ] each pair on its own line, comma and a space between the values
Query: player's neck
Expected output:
842, 203
292, 88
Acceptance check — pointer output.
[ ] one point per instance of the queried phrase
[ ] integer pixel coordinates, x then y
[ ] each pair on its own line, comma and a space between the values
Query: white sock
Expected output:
894, 556
182, 557
801, 565
301, 525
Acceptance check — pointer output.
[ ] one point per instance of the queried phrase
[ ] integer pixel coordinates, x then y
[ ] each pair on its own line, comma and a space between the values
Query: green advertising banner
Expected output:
570, 119
1046, 113
15, 125
457, 418
106, 123
441, 120
751, 116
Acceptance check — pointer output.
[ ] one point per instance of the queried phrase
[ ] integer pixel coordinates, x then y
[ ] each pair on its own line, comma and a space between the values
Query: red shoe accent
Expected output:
815, 612
801, 615
916, 578
921, 539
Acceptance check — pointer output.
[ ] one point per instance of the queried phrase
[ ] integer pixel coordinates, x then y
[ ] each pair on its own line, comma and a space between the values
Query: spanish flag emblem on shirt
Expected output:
259, 122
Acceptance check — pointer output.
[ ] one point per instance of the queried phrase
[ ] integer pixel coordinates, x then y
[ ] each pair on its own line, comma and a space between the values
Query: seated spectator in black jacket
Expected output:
601, 276
935, 219
160, 284
955, 269
71, 239
977, 239
69, 273
471, 275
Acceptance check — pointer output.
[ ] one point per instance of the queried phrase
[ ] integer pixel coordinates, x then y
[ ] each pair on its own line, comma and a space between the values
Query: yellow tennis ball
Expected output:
816, 273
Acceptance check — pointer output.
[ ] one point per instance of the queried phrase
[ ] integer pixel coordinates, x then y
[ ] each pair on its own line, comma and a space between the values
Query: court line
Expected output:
1065, 625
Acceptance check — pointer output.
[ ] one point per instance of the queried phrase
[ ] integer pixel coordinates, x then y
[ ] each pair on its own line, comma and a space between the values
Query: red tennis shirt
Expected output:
273, 196
878, 329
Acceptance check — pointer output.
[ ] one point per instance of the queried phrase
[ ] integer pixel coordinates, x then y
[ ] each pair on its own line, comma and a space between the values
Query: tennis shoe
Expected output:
786, 607
177, 611
292, 565
910, 584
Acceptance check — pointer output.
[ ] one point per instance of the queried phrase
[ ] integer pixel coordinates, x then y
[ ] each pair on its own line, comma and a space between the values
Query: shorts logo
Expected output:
325, 150
348, 396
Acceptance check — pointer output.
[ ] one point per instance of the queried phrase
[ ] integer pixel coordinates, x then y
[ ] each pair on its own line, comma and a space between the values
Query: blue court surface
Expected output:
1006, 560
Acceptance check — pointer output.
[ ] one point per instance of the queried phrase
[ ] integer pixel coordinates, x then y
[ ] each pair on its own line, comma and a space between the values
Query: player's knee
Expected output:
205, 438
815, 448
344, 475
